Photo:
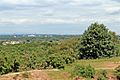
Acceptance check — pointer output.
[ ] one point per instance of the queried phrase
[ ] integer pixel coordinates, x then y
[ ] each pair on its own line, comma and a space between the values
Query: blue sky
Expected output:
57, 16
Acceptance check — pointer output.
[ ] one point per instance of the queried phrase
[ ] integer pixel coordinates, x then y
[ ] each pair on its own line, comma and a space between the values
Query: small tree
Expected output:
97, 41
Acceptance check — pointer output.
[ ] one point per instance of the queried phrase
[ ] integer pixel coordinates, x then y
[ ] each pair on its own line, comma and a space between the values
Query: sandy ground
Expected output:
29, 75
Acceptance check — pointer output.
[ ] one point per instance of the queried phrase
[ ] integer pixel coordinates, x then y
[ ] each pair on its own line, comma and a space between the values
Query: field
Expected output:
54, 74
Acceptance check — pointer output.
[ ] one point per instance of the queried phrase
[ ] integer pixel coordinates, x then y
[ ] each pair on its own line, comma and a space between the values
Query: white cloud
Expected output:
17, 1
15, 21
36, 12
59, 11
24, 21
112, 8
36, 21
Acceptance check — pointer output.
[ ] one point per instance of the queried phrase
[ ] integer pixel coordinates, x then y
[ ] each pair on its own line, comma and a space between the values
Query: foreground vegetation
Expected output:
101, 66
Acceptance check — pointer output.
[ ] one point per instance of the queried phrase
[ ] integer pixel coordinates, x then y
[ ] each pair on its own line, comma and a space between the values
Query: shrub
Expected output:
84, 71
53, 62
6, 67
117, 72
103, 75
15, 67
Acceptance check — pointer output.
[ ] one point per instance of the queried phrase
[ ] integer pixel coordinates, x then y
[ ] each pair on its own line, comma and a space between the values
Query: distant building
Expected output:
31, 35
11, 42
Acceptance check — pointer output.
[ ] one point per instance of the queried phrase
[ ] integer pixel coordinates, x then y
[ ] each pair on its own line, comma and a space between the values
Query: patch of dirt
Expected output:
110, 65
111, 77
29, 75
65, 75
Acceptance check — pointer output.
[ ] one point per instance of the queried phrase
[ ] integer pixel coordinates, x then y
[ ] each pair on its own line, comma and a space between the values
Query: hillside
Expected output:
94, 55
54, 74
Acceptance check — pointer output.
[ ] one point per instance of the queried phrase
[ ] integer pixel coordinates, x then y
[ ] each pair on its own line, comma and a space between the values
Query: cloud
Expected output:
24, 21
15, 21
17, 1
116, 0
112, 9
59, 8
24, 12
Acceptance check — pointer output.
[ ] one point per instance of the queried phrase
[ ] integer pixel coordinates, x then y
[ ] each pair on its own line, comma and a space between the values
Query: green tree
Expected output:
96, 42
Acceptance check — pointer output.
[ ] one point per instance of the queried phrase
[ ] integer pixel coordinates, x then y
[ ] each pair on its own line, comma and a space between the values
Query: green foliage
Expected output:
6, 67
117, 72
15, 66
53, 62
103, 75
96, 42
37, 55
84, 71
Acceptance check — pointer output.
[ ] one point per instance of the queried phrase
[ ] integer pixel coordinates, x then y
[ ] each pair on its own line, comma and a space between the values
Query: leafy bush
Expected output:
5, 67
103, 75
15, 66
84, 71
53, 62
117, 72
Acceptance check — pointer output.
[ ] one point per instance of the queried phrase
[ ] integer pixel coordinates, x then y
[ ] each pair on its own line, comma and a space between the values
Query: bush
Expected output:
6, 67
15, 66
53, 62
103, 75
84, 71
117, 72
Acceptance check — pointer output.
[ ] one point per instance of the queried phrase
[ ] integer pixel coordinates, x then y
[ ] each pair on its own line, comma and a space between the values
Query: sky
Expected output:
57, 16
